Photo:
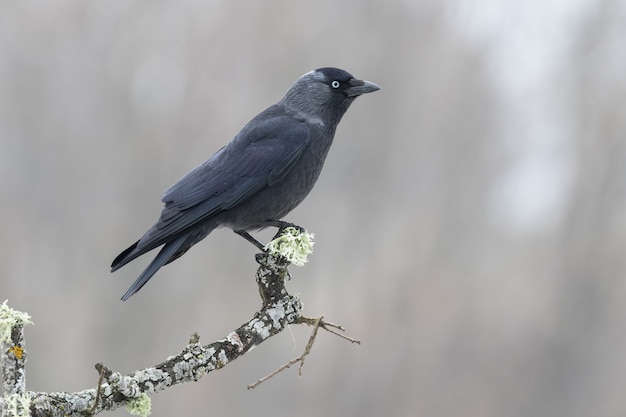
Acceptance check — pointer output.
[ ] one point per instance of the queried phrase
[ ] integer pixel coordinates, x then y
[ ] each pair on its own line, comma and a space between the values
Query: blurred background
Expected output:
470, 221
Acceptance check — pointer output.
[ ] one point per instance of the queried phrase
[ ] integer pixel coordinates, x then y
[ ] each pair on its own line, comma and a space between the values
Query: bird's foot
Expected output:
291, 241
282, 225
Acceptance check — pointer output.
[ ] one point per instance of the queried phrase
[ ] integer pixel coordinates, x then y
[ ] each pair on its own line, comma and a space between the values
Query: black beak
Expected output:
360, 87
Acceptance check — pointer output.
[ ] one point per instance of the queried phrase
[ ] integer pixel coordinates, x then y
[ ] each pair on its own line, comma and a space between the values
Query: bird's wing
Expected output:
260, 155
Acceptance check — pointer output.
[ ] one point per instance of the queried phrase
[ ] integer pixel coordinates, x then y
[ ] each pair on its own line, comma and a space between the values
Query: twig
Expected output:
101, 370
280, 369
329, 327
316, 323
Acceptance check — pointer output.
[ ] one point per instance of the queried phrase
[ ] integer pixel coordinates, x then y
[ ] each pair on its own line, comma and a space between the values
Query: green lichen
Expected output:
293, 245
17, 405
140, 406
10, 318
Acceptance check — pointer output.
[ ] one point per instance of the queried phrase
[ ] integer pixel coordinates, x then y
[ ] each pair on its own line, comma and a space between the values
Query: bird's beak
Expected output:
361, 87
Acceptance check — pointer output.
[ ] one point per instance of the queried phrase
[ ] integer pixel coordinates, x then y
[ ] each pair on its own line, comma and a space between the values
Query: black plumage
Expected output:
261, 175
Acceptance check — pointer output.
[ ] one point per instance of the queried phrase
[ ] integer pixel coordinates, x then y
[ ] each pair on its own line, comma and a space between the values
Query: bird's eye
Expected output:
335, 84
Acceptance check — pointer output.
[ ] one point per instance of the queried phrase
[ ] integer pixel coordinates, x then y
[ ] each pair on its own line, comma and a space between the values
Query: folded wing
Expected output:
262, 154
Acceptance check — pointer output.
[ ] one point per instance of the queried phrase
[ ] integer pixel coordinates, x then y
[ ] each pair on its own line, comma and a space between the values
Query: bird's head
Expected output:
340, 82
326, 93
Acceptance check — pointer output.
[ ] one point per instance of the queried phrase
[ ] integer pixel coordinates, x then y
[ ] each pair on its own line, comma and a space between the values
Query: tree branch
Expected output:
279, 309
13, 360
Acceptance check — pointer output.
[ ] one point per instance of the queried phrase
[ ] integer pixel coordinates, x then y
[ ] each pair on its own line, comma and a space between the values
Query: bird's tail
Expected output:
124, 257
165, 255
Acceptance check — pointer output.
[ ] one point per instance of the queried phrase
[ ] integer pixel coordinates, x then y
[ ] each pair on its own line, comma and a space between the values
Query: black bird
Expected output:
261, 175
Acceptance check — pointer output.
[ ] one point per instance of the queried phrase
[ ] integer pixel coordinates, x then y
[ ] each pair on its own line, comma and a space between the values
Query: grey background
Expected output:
470, 218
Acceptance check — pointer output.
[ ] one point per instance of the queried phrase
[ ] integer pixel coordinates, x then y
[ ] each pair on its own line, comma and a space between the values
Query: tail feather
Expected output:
161, 259
124, 257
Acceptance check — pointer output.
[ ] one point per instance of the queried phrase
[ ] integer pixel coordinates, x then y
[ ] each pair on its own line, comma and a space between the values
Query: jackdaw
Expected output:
261, 175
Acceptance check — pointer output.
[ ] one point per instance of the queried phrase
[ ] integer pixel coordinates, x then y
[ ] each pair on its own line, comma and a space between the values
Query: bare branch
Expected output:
316, 323
13, 359
279, 309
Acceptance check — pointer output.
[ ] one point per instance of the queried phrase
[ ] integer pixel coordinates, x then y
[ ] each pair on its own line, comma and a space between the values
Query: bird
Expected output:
263, 173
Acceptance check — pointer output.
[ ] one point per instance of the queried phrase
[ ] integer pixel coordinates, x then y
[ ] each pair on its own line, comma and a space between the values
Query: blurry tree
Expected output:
580, 361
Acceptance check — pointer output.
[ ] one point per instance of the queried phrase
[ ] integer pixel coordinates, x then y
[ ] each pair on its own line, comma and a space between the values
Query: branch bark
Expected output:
279, 309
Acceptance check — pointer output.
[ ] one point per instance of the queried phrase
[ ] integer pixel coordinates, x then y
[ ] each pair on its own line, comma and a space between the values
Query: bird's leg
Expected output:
250, 239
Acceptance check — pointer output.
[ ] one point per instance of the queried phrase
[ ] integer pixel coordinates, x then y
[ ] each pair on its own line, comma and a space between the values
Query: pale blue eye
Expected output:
335, 84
